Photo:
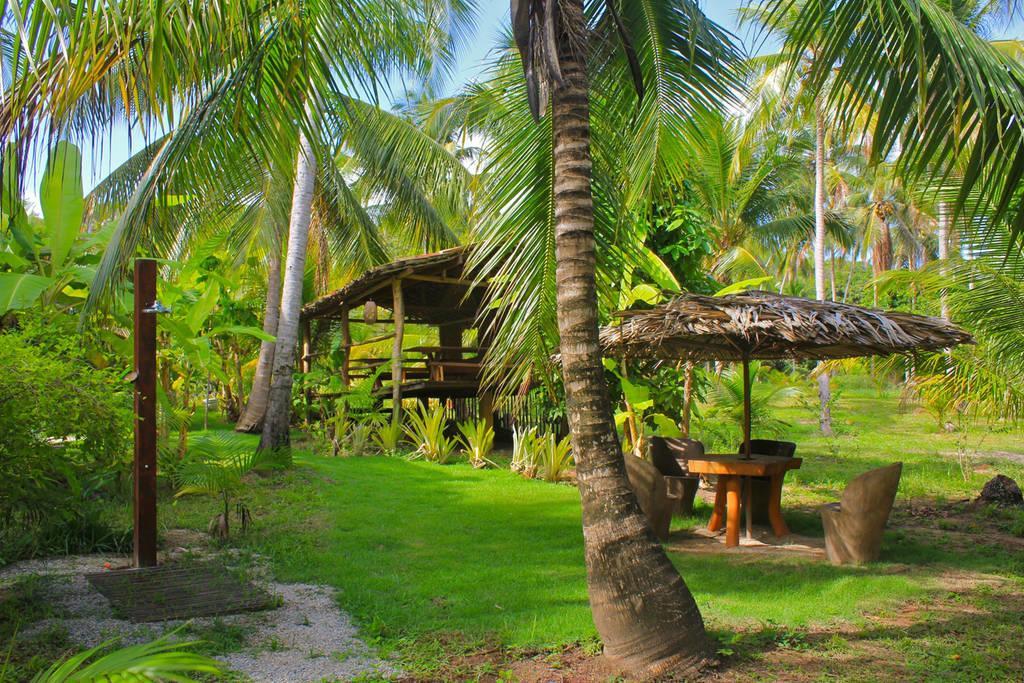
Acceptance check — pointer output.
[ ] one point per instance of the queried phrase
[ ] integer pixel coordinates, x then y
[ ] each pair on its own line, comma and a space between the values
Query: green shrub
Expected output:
65, 444
217, 465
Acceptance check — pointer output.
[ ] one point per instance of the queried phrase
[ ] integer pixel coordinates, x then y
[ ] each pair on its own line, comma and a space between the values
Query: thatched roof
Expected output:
770, 326
434, 288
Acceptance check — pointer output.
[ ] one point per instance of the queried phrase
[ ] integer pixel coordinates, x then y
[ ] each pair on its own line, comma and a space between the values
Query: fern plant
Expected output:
477, 442
215, 466
426, 430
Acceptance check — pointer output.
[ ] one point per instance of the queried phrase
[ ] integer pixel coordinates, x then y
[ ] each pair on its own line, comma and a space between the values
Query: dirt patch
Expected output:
931, 637
959, 526
495, 664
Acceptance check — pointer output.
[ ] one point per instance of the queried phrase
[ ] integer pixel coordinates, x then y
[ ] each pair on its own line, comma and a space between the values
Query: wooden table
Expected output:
731, 469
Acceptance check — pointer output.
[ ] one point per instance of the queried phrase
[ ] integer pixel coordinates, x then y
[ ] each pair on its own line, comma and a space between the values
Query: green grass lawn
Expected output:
419, 551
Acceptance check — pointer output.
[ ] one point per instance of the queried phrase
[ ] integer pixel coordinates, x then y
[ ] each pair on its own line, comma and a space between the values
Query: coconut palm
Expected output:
542, 227
545, 179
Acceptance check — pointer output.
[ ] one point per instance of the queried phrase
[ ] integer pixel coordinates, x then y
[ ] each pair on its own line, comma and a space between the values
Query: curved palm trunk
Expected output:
943, 237
251, 420
824, 383
643, 610
276, 425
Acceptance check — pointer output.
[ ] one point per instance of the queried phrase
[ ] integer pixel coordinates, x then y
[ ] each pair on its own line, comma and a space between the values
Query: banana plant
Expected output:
47, 260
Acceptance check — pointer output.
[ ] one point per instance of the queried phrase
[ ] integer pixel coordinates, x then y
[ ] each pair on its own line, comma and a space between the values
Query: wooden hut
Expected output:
432, 289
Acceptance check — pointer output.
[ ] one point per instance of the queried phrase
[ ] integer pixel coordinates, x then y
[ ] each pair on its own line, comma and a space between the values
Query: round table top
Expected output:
733, 464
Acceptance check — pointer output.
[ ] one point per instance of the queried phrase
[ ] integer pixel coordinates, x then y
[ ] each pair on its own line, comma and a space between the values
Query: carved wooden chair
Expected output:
652, 491
854, 525
760, 487
665, 455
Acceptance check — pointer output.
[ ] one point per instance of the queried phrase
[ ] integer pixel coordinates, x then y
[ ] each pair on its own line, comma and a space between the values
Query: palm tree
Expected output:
664, 632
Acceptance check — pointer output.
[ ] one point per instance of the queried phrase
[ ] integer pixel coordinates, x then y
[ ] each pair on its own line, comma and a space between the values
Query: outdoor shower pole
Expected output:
144, 498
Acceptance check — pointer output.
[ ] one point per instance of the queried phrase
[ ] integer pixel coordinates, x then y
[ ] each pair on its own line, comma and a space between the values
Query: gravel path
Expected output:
308, 638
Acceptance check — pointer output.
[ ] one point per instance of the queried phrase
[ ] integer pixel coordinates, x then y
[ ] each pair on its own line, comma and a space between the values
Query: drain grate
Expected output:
179, 592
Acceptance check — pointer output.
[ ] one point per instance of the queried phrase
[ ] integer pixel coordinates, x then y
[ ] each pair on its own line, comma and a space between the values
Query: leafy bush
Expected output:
477, 442
65, 444
426, 429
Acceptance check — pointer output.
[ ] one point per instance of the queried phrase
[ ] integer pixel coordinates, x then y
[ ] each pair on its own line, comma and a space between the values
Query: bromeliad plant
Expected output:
426, 429
477, 442
387, 436
523, 452
542, 455
554, 457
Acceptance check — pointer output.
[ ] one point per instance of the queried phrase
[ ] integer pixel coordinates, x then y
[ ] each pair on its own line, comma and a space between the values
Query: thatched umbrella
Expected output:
763, 325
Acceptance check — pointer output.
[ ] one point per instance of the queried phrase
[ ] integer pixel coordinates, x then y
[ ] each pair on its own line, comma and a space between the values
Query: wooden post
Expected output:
486, 400
687, 399
450, 335
396, 351
307, 364
346, 348
746, 407
307, 347
144, 494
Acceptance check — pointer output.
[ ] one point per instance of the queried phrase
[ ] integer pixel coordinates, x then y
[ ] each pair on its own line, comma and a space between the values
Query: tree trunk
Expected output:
256, 407
276, 425
644, 612
824, 384
943, 237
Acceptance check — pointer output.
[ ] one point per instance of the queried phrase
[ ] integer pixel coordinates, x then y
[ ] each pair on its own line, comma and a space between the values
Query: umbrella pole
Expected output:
746, 407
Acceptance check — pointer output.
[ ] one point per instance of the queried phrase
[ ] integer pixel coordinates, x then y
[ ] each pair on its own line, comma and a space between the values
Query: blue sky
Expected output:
492, 18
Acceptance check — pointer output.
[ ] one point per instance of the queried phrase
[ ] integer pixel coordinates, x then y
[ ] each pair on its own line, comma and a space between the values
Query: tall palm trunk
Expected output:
645, 614
943, 237
824, 383
251, 420
276, 425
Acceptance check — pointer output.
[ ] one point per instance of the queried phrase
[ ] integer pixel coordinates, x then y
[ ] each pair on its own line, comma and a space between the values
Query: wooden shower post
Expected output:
144, 469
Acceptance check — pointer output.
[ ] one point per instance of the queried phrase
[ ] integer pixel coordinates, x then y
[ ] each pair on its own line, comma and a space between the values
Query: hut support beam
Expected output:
396, 352
346, 348
746, 406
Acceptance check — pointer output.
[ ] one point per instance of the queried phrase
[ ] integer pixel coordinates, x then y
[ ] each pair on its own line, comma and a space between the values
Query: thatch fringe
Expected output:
764, 325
